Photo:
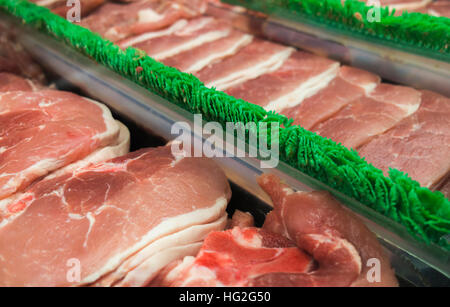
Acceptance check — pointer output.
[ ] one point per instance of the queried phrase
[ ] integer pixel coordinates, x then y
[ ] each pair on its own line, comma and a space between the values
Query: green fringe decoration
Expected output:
425, 214
413, 32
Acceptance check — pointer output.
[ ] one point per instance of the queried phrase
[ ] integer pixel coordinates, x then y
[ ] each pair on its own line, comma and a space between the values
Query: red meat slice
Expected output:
197, 58
370, 115
301, 75
339, 242
103, 214
350, 84
117, 21
43, 131
250, 62
185, 37
10, 82
237, 257
419, 145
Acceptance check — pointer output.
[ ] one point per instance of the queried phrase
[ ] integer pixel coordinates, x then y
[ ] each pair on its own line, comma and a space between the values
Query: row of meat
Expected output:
77, 209
391, 126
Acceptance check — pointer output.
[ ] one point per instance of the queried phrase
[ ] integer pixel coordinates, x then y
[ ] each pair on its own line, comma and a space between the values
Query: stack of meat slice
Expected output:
419, 145
115, 21
300, 76
309, 239
119, 222
180, 37
45, 131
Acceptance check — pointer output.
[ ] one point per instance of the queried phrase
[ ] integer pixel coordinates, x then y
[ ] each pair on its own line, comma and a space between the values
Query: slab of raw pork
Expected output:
236, 258
309, 239
43, 131
419, 145
197, 58
250, 62
115, 21
116, 214
11, 82
182, 36
360, 121
301, 75
350, 84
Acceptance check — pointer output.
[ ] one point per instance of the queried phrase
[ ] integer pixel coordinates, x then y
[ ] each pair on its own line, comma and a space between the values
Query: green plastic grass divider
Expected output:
425, 214
412, 32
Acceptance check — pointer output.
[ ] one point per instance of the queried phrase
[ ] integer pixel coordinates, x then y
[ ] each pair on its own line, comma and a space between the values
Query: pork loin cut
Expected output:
43, 131
11, 82
340, 243
116, 21
350, 84
301, 75
370, 115
197, 58
195, 33
250, 62
236, 258
419, 145
106, 213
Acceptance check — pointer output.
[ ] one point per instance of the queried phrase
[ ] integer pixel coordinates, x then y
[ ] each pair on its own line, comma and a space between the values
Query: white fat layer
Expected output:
119, 148
112, 128
149, 15
304, 90
269, 65
202, 63
146, 36
177, 270
142, 268
154, 264
168, 226
198, 41
254, 242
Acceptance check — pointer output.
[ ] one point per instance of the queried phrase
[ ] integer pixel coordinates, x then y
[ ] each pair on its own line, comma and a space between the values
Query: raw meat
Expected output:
197, 58
419, 145
301, 75
241, 219
439, 8
106, 213
360, 121
236, 258
340, 243
61, 7
341, 249
197, 32
116, 21
350, 84
250, 62
10, 82
43, 131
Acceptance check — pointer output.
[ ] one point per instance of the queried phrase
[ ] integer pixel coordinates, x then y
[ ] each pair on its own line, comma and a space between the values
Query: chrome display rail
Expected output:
420, 264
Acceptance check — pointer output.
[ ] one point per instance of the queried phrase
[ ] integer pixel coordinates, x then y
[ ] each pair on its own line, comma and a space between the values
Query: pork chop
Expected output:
419, 145
102, 215
349, 85
258, 58
368, 116
301, 75
43, 131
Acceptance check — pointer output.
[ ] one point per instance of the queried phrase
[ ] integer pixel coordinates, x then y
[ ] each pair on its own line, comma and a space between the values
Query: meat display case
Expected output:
414, 262
390, 63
